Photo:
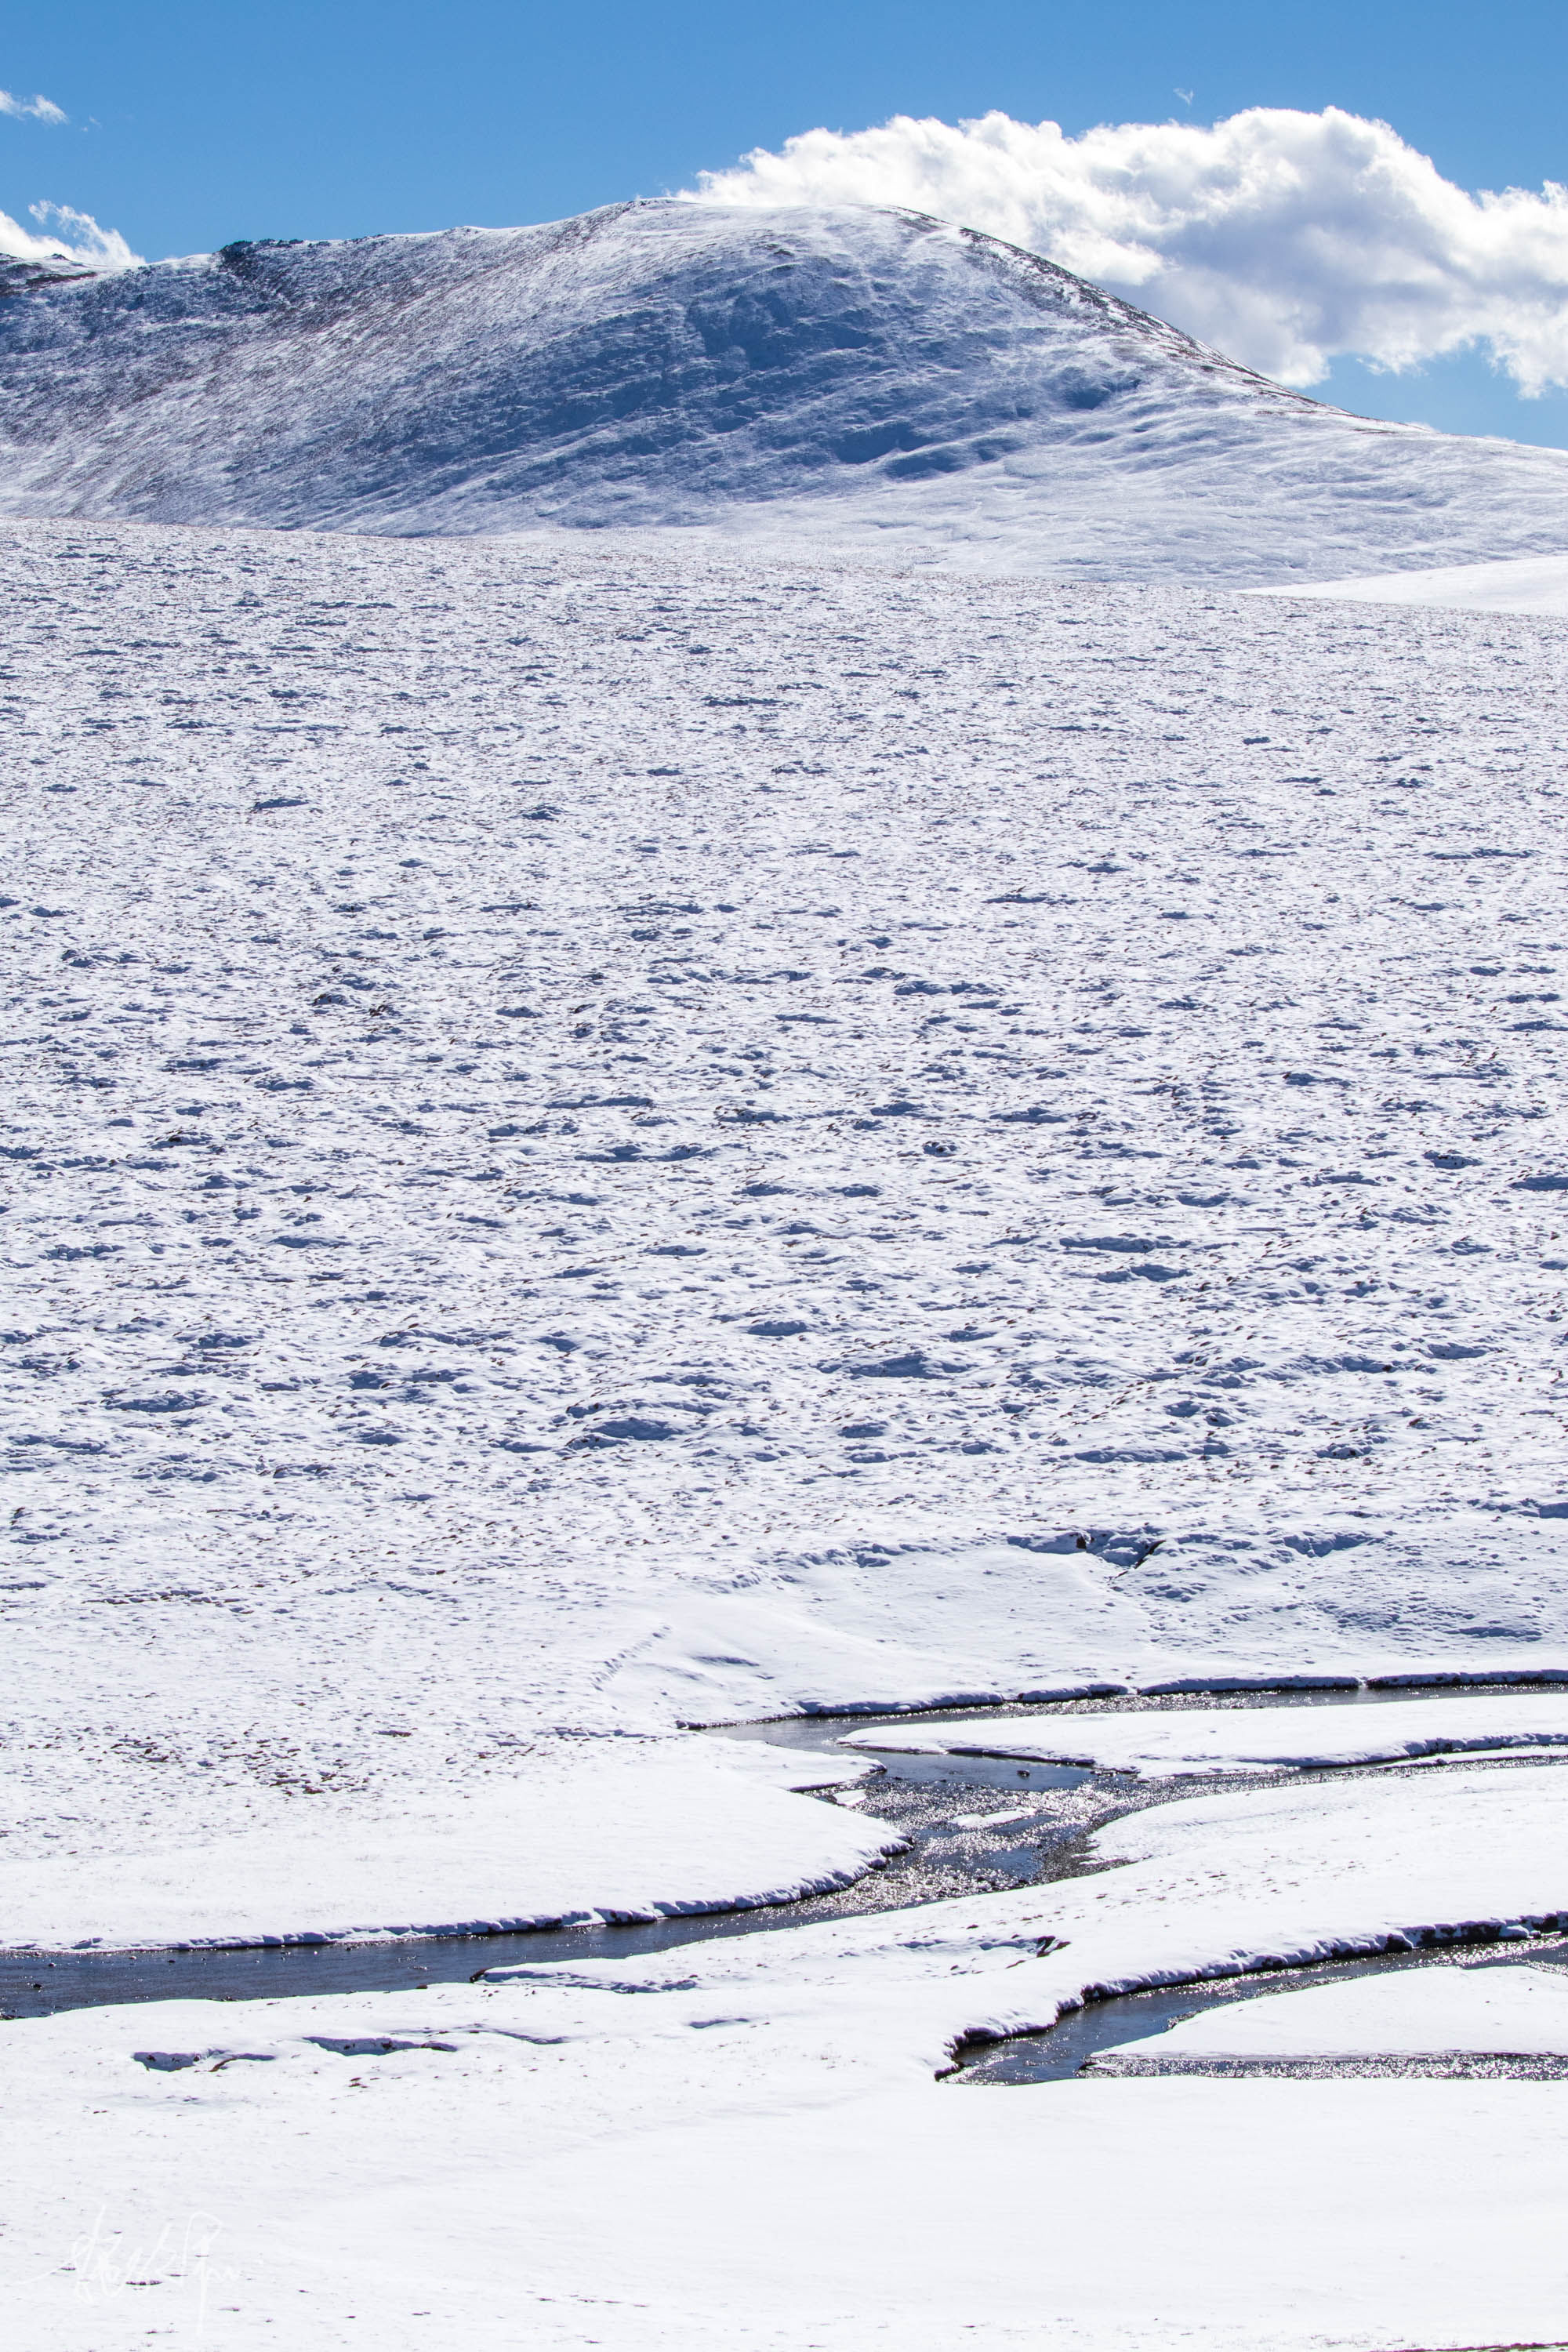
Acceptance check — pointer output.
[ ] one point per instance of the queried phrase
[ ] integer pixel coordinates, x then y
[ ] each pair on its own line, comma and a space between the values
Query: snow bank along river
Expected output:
636, 2147
968, 1805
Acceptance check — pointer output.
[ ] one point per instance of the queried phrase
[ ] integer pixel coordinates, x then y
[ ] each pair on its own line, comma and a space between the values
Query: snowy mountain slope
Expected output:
590, 1141
903, 388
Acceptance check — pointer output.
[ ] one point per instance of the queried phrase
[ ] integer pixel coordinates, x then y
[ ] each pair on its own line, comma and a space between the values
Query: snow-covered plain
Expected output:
597, 1142
1246, 1739
899, 388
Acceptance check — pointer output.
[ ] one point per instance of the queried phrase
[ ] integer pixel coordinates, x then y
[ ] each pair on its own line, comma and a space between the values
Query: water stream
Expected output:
970, 1824
1074, 2044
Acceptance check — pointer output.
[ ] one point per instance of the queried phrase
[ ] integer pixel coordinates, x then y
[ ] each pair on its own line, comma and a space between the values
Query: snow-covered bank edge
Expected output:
1218, 1682
1158, 1745
1423, 2013
1319, 1952
594, 1834
629, 1831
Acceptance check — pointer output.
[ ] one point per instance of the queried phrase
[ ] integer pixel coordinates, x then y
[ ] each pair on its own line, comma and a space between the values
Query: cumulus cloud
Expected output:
1283, 238
32, 109
77, 237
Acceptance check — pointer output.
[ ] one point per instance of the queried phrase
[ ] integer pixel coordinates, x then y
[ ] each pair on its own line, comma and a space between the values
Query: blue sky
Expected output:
191, 125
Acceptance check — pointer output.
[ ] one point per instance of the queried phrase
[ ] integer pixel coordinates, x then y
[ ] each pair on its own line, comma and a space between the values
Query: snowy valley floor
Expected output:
601, 1139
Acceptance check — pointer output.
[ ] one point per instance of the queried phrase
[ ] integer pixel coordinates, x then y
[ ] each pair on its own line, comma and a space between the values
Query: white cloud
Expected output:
34, 110
1283, 238
77, 237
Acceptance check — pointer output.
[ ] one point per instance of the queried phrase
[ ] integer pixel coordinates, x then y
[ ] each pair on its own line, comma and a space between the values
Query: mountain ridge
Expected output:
874, 377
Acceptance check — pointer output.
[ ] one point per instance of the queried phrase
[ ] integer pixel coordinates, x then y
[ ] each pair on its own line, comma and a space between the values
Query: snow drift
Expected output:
901, 385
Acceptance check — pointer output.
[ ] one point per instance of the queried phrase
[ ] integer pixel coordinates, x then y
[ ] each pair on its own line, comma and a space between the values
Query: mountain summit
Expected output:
870, 381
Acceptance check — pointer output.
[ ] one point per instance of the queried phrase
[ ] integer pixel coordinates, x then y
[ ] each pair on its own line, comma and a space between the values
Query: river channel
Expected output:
970, 1824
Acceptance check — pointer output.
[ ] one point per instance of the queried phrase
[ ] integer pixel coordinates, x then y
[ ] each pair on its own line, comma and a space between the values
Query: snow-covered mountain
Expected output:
874, 380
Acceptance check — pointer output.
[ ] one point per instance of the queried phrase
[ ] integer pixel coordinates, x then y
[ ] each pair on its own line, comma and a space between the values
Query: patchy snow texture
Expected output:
916, 391
600, 1134
595, 1143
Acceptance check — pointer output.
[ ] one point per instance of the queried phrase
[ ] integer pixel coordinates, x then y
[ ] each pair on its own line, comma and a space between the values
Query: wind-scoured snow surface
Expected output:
593, 1142
919, 391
